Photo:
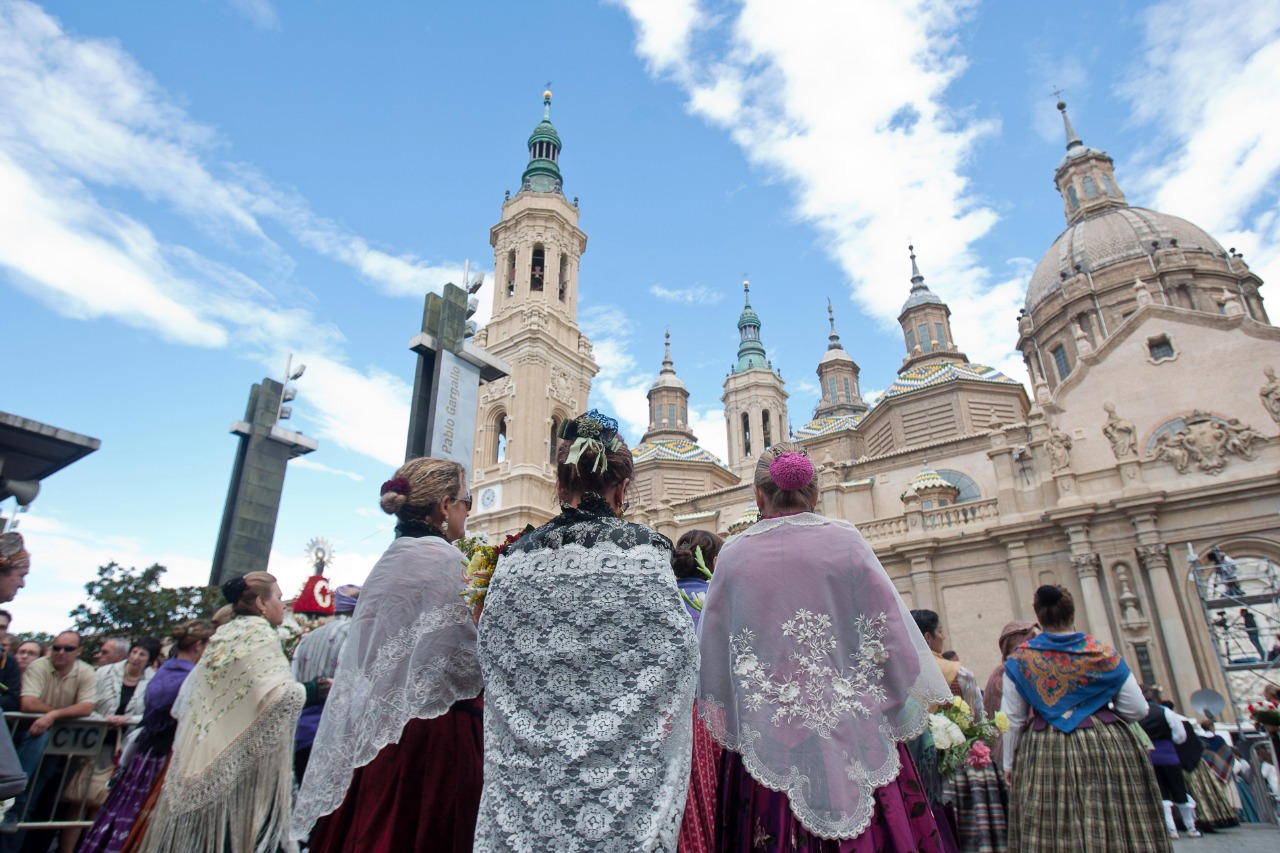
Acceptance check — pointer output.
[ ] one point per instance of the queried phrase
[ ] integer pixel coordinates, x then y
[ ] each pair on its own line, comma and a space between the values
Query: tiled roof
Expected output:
826, 426
677, 450
929, 375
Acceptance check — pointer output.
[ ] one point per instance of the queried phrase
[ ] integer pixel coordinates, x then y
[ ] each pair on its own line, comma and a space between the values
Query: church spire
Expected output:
668, 403
833, 340
668, 367
1086, 177
751, 354
926, 324
542, 175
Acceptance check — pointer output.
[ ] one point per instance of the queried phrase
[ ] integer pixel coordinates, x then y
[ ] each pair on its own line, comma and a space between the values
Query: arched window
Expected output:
511, 273
911, 341
1072, 197
671, 415
564, 276
968, 488
766, 438
539, 267
1090, 188
831, 389
1059, 354
941, 331
554, 442
746, 434
500, 446
923, 330
848, 395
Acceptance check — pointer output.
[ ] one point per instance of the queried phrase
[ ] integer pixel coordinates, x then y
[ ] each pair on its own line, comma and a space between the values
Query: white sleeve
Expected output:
1175, 726
1016, 709
1129, 703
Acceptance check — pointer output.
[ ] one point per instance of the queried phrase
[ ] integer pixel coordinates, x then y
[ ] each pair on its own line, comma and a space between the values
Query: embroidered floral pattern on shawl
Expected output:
589, 661
812, 669
230, 778
1066, 677
410, 654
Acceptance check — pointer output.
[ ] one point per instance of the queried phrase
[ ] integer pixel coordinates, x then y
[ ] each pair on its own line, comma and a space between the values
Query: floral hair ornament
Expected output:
396, 485
591, 430
791, 471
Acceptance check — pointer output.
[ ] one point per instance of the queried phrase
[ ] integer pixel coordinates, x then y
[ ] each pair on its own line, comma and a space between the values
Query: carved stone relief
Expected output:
1083, 346
1086, 565
1207, 441
1270, 393
561, 387
1131, 615
1059, 446
503, 386
1140, 293
1121, 433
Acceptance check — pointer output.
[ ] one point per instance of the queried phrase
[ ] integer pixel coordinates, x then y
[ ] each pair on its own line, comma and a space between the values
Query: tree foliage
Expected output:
132, 603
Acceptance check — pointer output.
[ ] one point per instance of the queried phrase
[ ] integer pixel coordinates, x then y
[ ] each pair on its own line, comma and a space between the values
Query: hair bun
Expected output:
791, 471
1048, 595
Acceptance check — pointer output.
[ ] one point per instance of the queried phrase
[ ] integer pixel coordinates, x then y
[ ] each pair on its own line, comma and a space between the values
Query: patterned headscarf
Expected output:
13, 554
345, 598
1066, 677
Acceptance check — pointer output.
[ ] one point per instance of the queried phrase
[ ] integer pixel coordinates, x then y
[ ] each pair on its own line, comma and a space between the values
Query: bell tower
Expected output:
755, 401
537, 246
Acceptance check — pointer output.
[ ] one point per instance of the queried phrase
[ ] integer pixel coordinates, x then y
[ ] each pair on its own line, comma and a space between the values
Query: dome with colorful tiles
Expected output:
929, 375
677, 450
826, 426
930, 479
749, 517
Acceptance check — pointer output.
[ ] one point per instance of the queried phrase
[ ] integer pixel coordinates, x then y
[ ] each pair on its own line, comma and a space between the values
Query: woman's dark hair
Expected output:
242, 593
590, 473
684, 561
187, 635
1054, 606
926, 621
151, 645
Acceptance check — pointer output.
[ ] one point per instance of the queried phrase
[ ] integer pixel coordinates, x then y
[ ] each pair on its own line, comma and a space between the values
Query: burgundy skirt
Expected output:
752, 818
698, 829
422, 793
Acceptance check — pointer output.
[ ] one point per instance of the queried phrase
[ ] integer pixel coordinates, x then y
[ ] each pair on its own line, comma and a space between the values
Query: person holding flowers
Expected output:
1079, 780
397, 758
972, 787
589, 663
813, 676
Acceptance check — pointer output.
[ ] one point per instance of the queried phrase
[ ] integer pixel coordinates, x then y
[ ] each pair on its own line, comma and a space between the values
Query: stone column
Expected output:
924, 595
1168, 616
1087, 567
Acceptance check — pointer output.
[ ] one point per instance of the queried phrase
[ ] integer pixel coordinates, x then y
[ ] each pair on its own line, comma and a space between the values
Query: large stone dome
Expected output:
1111, 237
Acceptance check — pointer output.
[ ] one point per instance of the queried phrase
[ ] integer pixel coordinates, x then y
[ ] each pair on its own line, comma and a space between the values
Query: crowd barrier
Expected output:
67, 744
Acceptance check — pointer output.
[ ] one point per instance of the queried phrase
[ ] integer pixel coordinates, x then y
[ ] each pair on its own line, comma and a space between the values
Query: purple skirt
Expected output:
129, 790
752, 818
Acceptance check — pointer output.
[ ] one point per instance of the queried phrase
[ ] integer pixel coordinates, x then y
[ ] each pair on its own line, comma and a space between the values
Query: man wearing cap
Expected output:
316, 658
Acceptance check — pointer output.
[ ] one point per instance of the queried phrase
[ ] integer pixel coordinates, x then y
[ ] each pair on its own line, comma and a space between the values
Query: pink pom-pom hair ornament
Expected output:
791, 471
396, 485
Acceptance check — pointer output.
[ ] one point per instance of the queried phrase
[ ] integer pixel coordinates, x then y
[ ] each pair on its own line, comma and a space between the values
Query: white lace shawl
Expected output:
590, 664
812, 669
410, 654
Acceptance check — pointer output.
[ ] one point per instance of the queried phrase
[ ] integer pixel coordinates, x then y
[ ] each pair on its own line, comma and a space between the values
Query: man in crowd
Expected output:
113, 650
6, 618
58, 687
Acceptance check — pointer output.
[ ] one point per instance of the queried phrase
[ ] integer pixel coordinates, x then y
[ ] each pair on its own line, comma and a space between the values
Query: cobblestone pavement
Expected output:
1252, 838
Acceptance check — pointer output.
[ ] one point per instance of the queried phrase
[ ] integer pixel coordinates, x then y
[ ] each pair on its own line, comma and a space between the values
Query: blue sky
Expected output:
191, 191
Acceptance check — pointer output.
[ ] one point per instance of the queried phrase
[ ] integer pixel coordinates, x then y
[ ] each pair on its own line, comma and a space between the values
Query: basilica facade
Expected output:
1150, 435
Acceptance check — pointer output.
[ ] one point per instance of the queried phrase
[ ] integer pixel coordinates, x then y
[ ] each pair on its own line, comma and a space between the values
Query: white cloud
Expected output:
260, 12
1212, 91
699, 295
859, 130
707, 423
310, 465
621, 382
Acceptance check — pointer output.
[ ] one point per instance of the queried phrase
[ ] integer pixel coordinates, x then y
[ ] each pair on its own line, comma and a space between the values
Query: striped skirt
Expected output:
978, 801
1212, 809
1088, 791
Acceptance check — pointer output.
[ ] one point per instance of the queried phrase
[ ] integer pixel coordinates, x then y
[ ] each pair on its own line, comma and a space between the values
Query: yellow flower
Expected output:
1002, 721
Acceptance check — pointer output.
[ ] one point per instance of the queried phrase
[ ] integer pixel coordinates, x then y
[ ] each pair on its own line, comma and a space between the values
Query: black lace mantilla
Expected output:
590, 523
416, 528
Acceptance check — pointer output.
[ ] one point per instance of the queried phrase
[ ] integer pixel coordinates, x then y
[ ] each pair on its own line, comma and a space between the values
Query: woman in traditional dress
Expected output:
697, 830
1013, 635
1079, 781
229, 782
813, 676
589, 663
137, 782
974, 793
1214, 810
397, 759
1168, 734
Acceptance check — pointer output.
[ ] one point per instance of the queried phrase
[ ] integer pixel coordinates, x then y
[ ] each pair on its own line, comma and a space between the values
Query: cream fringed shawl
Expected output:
229, 781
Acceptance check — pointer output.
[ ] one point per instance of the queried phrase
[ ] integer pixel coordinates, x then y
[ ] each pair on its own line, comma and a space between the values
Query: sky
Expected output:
191, 192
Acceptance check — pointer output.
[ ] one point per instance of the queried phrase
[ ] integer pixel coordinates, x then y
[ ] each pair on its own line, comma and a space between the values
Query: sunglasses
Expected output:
64, 648
465, 500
